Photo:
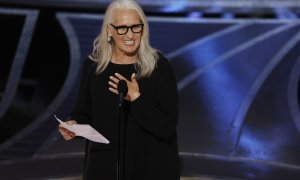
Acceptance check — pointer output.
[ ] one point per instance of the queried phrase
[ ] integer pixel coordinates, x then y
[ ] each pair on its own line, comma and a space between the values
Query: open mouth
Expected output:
129, 43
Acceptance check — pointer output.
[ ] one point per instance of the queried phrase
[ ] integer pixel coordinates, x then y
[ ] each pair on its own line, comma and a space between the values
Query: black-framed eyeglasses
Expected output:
121, 30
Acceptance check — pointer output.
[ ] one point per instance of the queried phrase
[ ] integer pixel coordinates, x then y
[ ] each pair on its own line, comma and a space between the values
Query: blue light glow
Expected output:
228, 16
174, 7
194, 15
284, 13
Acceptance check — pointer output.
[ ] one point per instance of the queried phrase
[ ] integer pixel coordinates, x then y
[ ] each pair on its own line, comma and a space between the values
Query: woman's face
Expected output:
127, 40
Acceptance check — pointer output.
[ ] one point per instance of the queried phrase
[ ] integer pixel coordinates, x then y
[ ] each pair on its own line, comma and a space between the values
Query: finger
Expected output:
70, 133
119, 76
71, 122
71, 136
114, 79
133, 77
66, 133
113, 90
115, 86
68, 136
62, 129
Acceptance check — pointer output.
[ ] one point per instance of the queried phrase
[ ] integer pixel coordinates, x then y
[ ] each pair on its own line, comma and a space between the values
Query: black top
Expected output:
150, 145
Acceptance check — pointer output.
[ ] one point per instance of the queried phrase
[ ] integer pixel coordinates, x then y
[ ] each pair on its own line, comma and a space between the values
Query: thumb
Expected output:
133, 77
71, 122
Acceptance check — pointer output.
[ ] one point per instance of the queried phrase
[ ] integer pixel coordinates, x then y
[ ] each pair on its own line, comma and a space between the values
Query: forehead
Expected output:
126, 17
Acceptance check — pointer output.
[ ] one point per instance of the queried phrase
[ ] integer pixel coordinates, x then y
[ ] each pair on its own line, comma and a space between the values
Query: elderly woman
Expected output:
147, 137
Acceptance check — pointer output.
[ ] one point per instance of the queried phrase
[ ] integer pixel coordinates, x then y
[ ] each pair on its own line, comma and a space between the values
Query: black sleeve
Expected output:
159, 115
82, 108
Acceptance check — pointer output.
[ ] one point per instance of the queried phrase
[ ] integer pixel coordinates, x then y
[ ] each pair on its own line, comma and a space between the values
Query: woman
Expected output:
149, 114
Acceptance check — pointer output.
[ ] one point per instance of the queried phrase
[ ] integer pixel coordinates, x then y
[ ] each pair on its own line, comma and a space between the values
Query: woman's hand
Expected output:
66, 134
133, 87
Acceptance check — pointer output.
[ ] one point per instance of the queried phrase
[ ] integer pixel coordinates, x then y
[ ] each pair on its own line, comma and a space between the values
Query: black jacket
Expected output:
148, 124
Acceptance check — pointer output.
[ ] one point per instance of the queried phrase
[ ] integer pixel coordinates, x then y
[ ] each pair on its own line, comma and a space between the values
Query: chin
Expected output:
130, 50
131, 53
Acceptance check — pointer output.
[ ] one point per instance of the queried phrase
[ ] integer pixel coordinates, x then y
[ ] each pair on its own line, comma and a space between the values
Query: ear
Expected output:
108, 30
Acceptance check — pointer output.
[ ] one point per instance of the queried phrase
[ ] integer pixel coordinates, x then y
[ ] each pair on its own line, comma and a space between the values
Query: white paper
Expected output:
84, 130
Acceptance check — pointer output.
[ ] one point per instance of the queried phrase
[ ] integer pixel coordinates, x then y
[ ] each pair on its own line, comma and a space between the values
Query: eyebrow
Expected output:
127, 25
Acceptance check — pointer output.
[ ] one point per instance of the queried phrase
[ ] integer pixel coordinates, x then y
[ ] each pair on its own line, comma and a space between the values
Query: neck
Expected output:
124, 59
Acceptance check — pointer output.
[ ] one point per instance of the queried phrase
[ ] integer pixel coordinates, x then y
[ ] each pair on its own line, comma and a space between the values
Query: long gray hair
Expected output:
103, 49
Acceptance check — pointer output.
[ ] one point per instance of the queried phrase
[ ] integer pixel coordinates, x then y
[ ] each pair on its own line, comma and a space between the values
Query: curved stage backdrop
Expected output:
238, 81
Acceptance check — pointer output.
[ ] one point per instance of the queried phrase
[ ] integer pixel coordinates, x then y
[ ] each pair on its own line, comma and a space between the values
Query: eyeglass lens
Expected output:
121, 30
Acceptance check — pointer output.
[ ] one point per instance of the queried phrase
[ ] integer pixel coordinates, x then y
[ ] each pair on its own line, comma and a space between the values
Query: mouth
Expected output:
129, 43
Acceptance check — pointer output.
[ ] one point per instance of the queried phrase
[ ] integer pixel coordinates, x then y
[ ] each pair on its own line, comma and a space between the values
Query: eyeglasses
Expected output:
121, 30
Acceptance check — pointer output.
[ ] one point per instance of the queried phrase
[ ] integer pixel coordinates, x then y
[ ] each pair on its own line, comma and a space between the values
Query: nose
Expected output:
129, 34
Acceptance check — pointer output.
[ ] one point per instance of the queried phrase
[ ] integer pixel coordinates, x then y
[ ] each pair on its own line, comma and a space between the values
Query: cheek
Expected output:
118, 40
116, 37
139, 39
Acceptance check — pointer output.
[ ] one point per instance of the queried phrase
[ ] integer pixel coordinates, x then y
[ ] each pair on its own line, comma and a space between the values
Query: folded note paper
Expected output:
84, 130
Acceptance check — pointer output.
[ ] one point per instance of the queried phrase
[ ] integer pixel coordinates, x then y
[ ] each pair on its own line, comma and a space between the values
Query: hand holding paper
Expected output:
85, 131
